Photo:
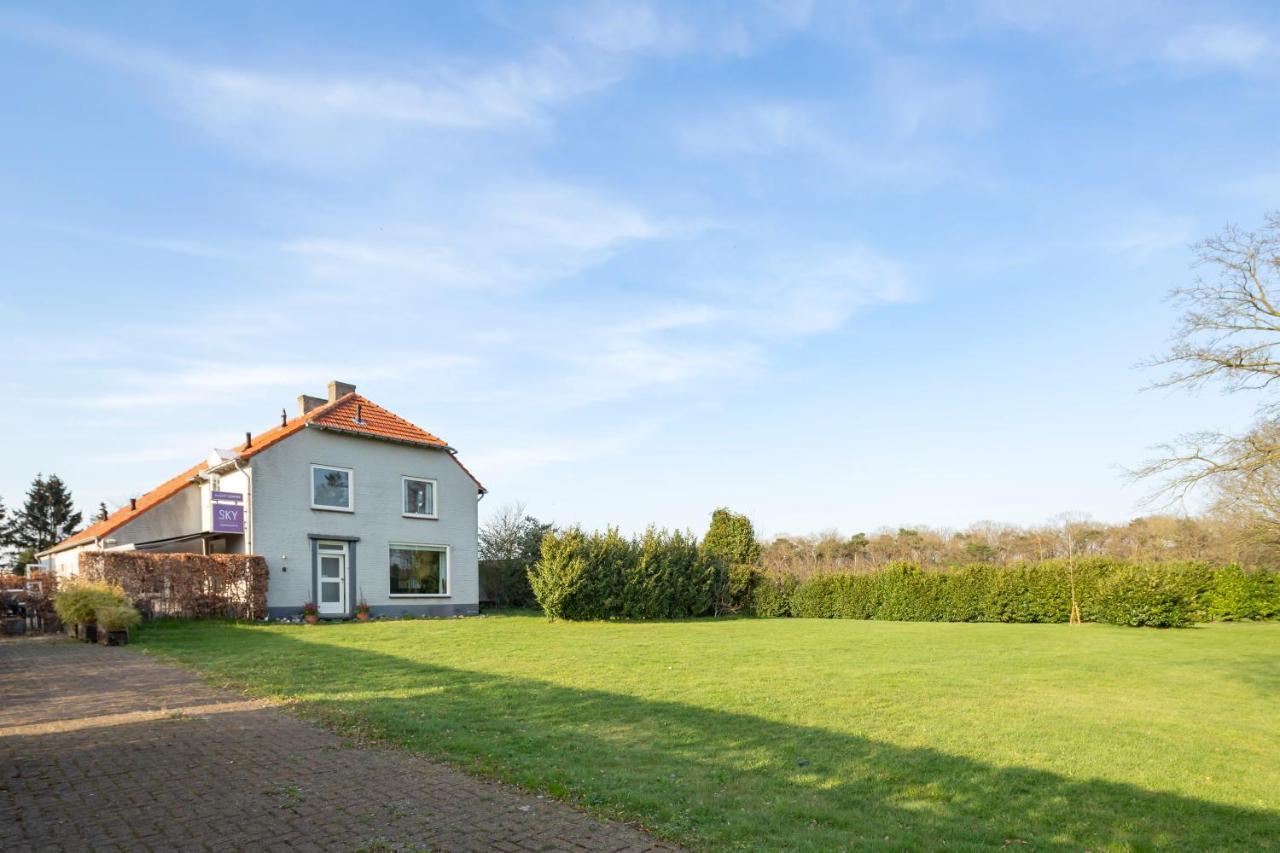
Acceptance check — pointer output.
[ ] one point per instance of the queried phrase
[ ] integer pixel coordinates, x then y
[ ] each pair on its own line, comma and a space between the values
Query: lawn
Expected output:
812, 734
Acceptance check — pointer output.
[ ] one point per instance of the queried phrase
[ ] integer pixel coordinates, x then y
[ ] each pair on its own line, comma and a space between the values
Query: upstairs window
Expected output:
419, 497
331, 488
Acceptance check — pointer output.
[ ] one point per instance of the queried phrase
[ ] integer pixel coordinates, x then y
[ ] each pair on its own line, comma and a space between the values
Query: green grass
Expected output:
813, 734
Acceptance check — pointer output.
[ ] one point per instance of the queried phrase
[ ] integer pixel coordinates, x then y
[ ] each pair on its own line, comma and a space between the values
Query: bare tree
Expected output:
500, 535
1229, 336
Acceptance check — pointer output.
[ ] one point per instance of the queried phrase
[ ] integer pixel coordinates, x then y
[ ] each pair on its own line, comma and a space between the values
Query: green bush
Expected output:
79, 603
505, 583
1237, 594
1165, 595
117, 617
1145, 596
771, 594
666, 575
661, 575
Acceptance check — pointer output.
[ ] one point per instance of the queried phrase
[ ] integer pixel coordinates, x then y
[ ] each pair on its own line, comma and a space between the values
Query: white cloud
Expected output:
816, 290
920, 98
1217, 46
1189, 38
545, 450
521, 235
803, 134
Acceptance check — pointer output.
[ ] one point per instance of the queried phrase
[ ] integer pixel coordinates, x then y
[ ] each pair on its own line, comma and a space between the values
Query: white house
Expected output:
346, 501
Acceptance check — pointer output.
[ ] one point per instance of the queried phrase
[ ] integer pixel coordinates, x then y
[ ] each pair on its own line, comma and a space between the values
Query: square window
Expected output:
419, 497
331, 488
419, 570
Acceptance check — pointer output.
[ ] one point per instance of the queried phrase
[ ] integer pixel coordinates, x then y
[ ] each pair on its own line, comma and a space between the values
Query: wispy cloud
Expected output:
803, 134
541, 451
1214, 46
1184, 37
521, 235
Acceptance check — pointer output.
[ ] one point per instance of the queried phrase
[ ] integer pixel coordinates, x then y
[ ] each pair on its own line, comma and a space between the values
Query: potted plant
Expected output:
363, 610
311, 613
79, 603
114, 622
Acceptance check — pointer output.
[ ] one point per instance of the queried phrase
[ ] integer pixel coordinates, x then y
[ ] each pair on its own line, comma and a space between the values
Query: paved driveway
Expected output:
106, 748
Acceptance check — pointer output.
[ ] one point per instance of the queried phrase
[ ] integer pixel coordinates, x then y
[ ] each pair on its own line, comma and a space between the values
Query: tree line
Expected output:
1149, 539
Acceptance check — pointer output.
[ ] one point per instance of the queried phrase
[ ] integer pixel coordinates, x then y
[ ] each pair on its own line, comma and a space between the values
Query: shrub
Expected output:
733, 593
731, 539
771, 594
661, 575
79, 602
185, 585
1237, 594
1145, 596
1163, 595
118, 617
506, 583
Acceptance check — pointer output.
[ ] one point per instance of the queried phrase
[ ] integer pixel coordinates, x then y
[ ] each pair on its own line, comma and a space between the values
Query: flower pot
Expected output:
90, 633
311, 618
363, 616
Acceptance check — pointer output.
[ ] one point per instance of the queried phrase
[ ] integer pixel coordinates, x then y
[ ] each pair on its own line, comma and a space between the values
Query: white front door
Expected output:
332, 580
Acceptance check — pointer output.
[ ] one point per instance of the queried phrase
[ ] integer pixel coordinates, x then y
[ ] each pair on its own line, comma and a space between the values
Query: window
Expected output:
419, 497
331, 488
419, 570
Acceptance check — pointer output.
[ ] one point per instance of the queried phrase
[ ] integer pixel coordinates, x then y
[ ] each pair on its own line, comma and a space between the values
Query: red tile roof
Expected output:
350, 414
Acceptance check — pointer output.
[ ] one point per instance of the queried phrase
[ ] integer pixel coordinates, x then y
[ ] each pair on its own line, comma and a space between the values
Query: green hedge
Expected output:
1164, 595
660, 575
664, 575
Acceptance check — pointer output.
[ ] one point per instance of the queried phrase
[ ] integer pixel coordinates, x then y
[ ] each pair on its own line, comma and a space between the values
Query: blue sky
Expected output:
837, 266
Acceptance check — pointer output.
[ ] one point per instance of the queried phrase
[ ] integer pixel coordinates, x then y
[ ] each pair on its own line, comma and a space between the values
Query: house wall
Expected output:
231, 480
65, 564
283, 522
177, 516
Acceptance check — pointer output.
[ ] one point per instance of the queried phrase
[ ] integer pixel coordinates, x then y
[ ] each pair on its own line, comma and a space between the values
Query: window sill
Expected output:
333, 508
423, 517
418, 595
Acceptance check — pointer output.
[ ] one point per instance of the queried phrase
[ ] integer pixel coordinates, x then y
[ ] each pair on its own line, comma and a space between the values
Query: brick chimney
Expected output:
339, 389
306, 403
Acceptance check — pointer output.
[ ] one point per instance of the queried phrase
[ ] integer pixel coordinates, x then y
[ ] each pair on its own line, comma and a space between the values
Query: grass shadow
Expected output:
712, 778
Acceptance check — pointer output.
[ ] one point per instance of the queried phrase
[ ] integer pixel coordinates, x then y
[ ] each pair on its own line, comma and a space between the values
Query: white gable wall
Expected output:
282, 519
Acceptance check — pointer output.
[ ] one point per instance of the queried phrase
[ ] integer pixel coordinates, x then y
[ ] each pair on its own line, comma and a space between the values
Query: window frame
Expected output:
435, 496
351, 488
446, 550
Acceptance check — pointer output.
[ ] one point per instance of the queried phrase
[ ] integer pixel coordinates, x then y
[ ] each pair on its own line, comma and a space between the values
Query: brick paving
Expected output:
107, 749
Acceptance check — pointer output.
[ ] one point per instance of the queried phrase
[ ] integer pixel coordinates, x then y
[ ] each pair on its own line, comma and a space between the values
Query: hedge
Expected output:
665, 575
660, 575
1161, 595
189, 586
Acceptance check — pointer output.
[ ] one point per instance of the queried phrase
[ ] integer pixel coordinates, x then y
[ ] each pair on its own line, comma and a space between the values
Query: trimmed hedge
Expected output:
665, 575
1165, 595
660, 575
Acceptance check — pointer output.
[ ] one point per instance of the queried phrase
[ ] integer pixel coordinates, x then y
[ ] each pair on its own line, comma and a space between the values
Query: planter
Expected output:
363, 616
89, 633
311, 618
113, 638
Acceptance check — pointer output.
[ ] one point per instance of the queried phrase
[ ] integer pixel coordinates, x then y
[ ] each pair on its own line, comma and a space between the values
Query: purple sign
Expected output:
228, 518
232, 497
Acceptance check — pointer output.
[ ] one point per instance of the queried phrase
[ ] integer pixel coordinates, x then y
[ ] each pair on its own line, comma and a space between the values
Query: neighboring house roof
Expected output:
338, 416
